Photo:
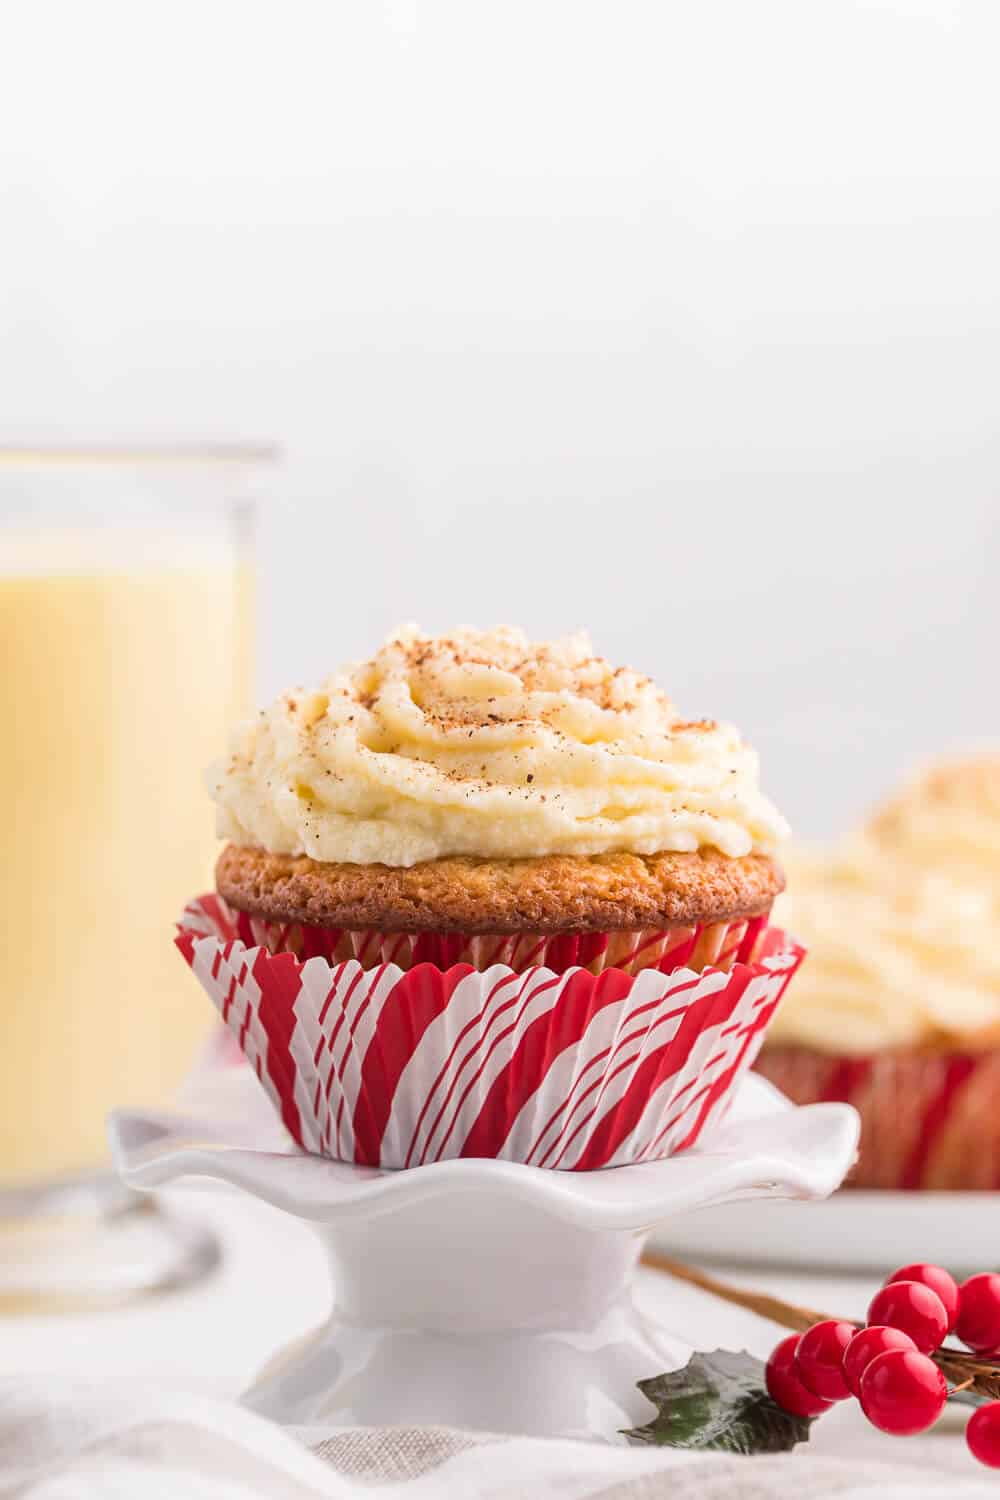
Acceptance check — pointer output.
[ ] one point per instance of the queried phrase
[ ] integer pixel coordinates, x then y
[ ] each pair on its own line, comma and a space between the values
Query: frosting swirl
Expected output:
947, 816
485, 743
900, 952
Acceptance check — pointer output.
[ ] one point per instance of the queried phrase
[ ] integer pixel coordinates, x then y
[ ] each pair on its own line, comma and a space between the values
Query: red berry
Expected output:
983, 1434
818, 1359
979, 1311
902, 1392
915, 1309
937, 1278
866, 1344
785, 1387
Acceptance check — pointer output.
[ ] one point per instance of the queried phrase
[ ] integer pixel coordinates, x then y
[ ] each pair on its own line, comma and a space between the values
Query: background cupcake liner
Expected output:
574, 1071
928, 1119
716, 944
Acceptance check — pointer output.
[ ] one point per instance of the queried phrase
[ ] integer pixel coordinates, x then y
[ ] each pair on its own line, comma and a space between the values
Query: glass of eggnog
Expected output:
126, 602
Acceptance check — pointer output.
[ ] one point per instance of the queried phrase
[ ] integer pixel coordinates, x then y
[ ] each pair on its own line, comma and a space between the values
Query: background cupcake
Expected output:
898, 1008
489, 897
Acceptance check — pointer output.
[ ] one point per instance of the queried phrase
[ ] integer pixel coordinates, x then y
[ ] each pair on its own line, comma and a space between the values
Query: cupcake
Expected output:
898, 1009
487, 897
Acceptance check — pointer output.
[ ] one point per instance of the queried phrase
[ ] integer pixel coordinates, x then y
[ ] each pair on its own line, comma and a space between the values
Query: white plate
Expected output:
852, 1231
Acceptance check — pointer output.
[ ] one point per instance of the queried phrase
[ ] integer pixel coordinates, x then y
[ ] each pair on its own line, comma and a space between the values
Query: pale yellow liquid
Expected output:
117, 688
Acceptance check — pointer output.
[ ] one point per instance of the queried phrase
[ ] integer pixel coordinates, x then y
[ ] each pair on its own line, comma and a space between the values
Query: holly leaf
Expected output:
718, 1401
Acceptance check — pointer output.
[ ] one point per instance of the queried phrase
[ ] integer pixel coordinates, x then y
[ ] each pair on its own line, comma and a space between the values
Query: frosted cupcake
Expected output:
898, 1009
488, 897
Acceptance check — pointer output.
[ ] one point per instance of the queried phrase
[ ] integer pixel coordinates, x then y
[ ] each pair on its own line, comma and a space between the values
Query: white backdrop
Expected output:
680, 320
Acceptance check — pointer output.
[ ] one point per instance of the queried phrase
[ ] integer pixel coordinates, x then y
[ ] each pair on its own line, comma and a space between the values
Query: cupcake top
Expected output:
900, 952
485, 743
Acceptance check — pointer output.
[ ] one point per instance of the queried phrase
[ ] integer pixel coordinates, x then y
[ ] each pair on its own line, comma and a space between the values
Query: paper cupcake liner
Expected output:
574, 1071
928, 1119
718, 945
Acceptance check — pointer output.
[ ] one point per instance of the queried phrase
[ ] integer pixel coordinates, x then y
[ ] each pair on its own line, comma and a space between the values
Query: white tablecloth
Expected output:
137, 1402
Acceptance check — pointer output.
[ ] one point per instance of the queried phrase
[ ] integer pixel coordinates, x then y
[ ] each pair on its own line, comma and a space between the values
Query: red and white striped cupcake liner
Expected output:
719, 945
395, 1067
928, 1118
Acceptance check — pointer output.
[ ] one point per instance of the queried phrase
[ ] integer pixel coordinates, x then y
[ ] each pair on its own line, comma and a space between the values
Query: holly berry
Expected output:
866, 1344
915, 1309
784, 1385
979, 1311
983, 1434
818, 1358
937, 1278
903, 1391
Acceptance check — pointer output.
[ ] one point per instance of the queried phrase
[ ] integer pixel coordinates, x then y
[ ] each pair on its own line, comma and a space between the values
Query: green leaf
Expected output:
718, 1401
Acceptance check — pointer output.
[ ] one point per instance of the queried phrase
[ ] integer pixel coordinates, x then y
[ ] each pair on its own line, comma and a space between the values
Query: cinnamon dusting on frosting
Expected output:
486, 743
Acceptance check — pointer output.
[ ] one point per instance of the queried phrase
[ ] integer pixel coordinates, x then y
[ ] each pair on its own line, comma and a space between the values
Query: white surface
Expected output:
81, 1373
853, 1231
75, 1440
484, 1294
679, 321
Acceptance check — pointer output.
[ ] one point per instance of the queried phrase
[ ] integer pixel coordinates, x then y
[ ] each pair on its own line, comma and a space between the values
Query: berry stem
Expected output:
798, 1319
970, 1376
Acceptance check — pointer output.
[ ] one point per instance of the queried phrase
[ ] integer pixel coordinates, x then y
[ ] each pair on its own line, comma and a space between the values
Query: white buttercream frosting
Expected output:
486, 743
900, 952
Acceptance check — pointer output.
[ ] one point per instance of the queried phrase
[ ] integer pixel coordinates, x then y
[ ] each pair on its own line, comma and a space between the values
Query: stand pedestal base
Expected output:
477, 1309
482, 1294
569, 1383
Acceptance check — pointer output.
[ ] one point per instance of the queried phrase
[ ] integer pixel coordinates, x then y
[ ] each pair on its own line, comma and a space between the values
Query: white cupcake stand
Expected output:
483, 1294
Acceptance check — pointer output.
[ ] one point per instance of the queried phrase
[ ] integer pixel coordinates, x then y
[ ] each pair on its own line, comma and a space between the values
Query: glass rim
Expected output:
138, 455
